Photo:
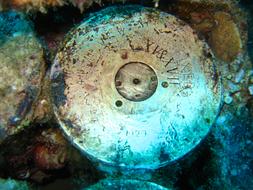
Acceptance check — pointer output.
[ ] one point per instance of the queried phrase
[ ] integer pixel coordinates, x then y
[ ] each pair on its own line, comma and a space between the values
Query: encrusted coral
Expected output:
225, 38
82, 4
36, 4
9, 184
42, 5
22, 69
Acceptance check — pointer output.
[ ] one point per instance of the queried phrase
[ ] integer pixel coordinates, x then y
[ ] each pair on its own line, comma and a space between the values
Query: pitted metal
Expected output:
136, 81
114, 129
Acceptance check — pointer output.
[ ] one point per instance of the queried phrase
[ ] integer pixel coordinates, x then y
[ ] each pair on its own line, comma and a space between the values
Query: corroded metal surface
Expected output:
136, 81
110, 184
21, 71
114, 129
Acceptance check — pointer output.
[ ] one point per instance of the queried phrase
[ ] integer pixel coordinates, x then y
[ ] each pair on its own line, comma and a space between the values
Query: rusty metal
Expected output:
133, 87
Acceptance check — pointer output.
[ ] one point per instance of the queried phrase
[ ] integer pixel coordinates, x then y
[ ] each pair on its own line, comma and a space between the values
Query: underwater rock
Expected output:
233, 87
50, 157
51, 151
84, 4
226, 158
202, 21
217, 2
10, 184
239, 76
43, 109
40, 5
232, 149
225, 37
126, 184
43, 5
251, 89
228, 99
22, 68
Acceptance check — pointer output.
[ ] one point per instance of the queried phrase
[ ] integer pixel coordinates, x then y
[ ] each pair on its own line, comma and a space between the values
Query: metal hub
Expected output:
136, 81
135, 88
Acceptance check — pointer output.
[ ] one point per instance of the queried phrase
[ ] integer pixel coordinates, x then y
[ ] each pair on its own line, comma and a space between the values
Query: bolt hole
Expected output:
118, 83
136, 81
165, 84
153, 78
118, 103
208, 120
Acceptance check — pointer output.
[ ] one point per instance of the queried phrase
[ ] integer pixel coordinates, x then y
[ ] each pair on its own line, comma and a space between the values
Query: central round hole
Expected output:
138, 81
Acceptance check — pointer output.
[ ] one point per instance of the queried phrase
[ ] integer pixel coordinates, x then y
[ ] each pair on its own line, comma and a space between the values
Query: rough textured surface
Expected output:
223, 161
51, 151
82, 5
30, 5
43, 156
220, 24
10, 184
121, 132
21, 72
225, 37
136, 81
40, 5
43, 5
110, 184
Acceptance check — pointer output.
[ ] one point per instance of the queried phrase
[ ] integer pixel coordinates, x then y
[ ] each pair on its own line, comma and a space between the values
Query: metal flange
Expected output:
134, 87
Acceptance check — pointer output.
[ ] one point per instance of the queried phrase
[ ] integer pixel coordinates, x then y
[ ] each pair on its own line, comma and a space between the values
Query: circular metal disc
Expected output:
134, 87
109, 184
